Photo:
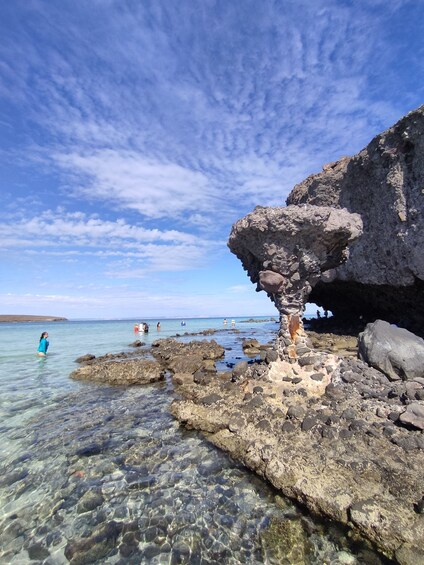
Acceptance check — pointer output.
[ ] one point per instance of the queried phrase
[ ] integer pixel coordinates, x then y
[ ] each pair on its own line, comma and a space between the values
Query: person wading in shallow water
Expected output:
43, 345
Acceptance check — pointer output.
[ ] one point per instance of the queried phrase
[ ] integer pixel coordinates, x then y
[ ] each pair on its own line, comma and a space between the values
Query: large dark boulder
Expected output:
384, 183
396, 352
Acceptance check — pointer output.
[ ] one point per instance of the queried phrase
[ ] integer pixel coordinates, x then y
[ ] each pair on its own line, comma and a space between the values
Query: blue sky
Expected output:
134, 133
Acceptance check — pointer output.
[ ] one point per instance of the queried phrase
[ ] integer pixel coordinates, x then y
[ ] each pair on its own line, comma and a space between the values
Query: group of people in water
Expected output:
144, 327
43, 344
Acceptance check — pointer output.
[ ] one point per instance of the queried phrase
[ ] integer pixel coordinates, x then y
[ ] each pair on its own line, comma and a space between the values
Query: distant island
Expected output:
22, 318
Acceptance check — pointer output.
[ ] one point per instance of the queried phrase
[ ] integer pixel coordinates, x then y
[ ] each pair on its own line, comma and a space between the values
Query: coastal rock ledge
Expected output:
335, 435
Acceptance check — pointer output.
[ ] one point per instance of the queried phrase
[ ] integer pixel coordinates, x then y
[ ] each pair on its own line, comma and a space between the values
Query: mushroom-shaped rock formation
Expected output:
285, 250
384, 183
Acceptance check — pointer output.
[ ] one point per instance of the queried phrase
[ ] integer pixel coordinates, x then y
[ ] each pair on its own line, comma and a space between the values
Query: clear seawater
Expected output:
98, 474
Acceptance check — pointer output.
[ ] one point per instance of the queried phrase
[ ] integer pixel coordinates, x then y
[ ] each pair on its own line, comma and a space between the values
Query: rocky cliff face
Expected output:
384, 183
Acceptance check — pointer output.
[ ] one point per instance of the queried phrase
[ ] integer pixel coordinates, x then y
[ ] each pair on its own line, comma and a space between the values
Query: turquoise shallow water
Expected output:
80, 459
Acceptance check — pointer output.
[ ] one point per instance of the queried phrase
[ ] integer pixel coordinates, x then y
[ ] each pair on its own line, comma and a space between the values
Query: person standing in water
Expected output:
43, 345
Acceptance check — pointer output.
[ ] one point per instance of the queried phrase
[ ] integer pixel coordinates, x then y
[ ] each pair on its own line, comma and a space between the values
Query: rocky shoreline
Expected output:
336, 421
325, 429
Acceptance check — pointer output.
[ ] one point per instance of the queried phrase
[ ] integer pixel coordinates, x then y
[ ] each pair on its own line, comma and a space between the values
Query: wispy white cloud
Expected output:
129, 180
78, 229
180, 119
125, 247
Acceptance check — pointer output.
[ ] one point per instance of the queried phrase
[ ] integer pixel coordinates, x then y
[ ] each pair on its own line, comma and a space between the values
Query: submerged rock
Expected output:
285, 541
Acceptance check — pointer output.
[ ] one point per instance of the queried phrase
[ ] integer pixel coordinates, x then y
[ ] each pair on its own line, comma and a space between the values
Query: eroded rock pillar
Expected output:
286, 251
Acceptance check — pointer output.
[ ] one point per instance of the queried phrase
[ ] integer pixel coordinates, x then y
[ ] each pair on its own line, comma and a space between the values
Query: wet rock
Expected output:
285, 541
136, 343
89, 501
248, 343
36, 552
126, 372
85, 358
13, 477
140, 483
127, 550
95, 547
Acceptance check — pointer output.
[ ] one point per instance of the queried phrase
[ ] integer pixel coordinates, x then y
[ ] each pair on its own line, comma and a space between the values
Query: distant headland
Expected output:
22, 318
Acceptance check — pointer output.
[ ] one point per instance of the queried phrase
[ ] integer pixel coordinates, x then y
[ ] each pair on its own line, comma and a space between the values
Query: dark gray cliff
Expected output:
384, 183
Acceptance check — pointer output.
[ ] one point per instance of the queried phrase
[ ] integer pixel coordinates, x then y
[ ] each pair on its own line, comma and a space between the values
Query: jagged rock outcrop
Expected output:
384, 183
182, 360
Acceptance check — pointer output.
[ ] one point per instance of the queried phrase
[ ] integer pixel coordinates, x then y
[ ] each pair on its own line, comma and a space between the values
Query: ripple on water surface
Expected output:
106, 475
93, 474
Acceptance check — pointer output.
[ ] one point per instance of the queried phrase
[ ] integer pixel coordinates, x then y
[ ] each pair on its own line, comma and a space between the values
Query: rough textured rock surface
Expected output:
329, 432
193, 360
334, 434
285, 249
396, 352
126, 372
384, 183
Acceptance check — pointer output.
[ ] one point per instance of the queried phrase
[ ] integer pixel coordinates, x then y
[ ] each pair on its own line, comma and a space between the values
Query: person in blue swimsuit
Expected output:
43, 345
